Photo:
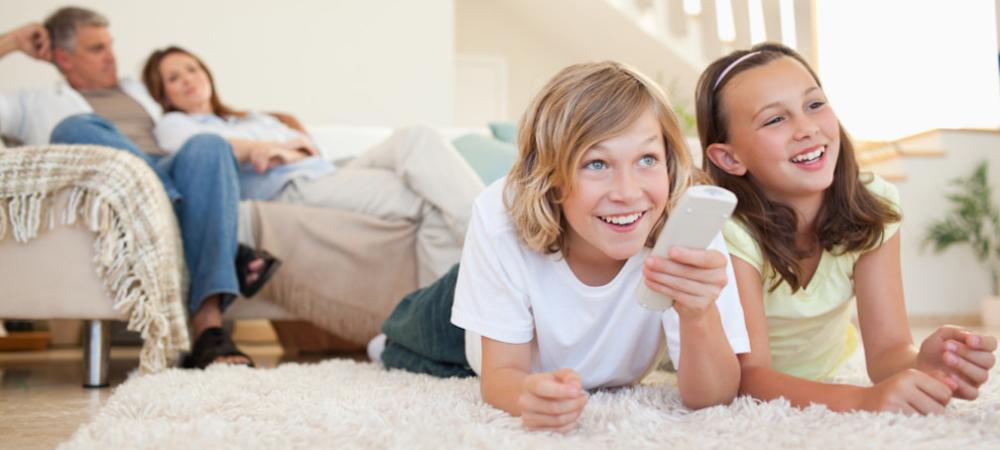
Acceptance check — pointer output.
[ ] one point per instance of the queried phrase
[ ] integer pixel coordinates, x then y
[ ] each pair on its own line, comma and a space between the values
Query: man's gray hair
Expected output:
63, 23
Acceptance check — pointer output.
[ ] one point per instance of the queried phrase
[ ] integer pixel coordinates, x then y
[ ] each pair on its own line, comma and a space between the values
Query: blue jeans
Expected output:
201, 181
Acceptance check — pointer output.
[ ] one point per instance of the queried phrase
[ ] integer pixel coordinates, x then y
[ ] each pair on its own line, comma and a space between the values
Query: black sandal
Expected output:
213, 344
244, 256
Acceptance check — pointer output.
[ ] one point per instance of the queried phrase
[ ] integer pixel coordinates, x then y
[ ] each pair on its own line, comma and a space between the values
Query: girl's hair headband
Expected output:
731, 66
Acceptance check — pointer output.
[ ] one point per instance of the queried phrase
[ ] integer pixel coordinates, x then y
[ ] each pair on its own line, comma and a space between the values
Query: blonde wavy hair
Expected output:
581, 106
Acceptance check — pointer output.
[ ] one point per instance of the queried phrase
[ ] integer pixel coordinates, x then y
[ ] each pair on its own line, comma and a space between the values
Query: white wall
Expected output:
953, 282
480, 89
388, 62
487, 28
539, 38
898, 67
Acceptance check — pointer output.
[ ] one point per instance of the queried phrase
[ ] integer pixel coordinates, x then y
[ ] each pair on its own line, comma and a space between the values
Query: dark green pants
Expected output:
420, 335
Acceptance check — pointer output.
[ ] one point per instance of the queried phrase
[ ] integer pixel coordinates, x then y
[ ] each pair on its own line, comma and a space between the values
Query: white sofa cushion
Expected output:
344, 141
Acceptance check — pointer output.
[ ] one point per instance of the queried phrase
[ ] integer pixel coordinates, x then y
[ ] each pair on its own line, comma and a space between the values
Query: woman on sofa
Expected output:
414, 175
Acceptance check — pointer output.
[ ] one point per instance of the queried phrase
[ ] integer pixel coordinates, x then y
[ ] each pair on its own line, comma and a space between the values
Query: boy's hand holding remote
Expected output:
679, 266
693, 278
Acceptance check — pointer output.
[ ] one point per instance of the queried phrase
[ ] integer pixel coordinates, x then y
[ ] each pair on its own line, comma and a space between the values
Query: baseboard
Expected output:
25, 341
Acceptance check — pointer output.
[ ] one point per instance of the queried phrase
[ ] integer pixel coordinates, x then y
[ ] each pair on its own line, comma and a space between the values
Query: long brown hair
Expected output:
581, 106
154, 82
851, 217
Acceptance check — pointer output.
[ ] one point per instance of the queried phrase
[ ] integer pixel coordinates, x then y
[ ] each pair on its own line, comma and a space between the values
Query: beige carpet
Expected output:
343, 404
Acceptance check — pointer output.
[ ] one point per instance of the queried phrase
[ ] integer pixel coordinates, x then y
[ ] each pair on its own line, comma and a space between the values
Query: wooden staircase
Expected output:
885, 158
701, 30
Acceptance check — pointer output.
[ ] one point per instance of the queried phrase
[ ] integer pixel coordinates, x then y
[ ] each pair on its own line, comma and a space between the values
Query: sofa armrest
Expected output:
117, 198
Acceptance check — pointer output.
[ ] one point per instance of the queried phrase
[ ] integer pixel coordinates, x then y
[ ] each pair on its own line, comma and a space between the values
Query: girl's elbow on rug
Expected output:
752, 377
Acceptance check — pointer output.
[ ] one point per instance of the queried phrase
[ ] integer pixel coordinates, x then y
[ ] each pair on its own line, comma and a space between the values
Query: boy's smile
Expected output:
624, 222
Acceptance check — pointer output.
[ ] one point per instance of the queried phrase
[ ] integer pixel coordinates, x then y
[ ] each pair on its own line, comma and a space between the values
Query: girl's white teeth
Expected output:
622, 220
811, 156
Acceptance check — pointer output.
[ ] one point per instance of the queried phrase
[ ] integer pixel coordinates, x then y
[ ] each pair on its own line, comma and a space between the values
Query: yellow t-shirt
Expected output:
810, 331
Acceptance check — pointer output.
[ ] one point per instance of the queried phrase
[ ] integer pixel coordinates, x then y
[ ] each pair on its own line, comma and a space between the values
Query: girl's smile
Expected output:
811, 159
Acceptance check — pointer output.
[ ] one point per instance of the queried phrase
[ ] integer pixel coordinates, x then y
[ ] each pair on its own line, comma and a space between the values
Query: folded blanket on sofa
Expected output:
138, 250
342, 271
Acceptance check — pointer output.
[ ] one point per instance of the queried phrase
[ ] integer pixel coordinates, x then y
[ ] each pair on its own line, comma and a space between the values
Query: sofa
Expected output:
52, 274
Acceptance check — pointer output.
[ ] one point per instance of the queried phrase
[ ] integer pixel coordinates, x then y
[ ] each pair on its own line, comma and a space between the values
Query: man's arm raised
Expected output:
32, 39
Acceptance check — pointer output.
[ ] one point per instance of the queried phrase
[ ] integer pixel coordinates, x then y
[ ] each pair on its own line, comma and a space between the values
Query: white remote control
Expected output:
694, 222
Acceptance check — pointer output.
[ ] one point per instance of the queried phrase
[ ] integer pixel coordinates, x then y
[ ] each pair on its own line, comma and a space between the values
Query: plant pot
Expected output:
990, 311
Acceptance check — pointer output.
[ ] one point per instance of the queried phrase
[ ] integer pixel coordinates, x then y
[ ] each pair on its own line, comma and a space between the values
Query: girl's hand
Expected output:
909, 392
552, 401
962, 357
693, 278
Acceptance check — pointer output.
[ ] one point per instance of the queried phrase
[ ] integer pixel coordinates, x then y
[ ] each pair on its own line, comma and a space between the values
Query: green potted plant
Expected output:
973, 220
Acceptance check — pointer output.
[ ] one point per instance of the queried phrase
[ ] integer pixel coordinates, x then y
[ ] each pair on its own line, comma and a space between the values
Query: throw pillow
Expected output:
504, 131
490, 158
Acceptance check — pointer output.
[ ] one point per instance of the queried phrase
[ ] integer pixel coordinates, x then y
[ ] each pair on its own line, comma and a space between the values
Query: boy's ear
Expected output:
723, 157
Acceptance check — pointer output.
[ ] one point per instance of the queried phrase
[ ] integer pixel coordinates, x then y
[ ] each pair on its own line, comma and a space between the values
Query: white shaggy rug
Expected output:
344, 404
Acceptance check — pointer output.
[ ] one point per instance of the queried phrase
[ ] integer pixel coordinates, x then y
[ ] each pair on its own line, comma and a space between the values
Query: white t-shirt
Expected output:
509, 293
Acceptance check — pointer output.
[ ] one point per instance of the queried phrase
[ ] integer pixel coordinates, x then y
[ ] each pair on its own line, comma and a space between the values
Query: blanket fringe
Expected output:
131, 256
3, 218
25, 215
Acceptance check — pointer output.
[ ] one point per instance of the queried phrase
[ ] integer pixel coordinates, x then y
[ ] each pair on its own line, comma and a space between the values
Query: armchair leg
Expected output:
96, 353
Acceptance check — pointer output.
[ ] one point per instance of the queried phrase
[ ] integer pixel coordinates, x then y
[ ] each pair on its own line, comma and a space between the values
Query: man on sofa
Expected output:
94, 106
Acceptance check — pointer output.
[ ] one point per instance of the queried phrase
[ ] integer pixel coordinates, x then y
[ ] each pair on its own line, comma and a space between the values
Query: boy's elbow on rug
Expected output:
695, 399
701, 402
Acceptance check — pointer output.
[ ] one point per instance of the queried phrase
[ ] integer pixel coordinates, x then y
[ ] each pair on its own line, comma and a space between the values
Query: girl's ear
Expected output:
723, 157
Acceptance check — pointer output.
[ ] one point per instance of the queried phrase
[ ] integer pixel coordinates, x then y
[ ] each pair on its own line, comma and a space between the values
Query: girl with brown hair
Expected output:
810, 234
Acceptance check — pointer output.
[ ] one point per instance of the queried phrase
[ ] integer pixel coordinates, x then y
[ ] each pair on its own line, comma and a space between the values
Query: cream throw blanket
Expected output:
343, 271
138, 252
